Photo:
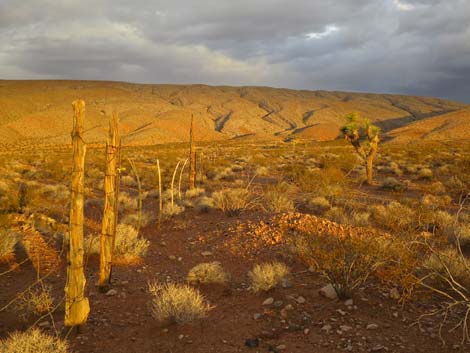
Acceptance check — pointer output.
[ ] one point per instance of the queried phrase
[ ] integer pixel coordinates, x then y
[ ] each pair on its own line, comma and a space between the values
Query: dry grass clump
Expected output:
192, 193
233, 201
55, 192
177, 303
126, 202
172, 209
32, 341
208, 272
36, 301
268, 275
204, 204
319, 204
393, 184
279, 198
425, 173
395, 216
129, 246
262, 171
8, 241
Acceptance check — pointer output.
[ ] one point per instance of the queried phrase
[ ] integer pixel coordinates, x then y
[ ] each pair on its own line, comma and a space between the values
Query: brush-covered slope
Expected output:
37, 112
450, 126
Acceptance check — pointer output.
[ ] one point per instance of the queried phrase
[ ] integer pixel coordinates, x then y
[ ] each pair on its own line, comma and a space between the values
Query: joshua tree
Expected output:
365, 139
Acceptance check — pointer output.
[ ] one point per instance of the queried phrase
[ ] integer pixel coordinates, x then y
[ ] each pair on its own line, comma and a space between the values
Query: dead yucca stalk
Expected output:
192, 156
108, 227
181, 177
160, 198
139, 189
77, 306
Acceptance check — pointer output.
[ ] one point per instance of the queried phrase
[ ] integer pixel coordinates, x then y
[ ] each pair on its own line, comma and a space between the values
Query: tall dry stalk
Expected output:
192, 156
160, 198
77, 306
108, 227
181, 177
139, 189
173, 183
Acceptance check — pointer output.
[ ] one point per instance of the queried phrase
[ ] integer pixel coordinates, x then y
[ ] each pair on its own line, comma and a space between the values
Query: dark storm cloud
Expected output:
401, 46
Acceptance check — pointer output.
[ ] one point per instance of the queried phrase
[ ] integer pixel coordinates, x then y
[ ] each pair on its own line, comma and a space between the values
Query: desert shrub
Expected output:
434, 201
35, 301
348, 257
172, 209
177, 303
319, 204
447, 264
128, 180
8, 241
347, 262
323, 182
208, 272
425, 173
55, 192
268, 275
127, 202
129, 246
233, 201
204, 204
192, 193
262, 171
393, 184
134, 219
278, 198
32, 341
394, 216
225, 174
463, 235
338, 215
360, 219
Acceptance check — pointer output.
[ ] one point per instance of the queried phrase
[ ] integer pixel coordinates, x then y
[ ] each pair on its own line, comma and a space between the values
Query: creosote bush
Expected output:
177, 303
233, 201
268, 275
208, 272
32, 341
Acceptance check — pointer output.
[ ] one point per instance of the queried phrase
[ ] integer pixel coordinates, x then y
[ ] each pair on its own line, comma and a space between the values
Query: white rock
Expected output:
111, 292
372, 327
329, 292
268, 301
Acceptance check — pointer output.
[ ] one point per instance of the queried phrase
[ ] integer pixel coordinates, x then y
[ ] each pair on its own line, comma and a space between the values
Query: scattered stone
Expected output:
257, 316
281, 347
286, 283
341, 312
395, 314
111, 292
349, 302
329, 292
180, 337
345, 328
372, 327
172, 257
206, 253
377, 348
252, 342
300, 300
326, 328
306, 331
278, 303
289, 307
268, 301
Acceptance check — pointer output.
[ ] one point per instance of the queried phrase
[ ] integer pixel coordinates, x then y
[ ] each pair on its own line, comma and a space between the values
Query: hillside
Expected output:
36, 112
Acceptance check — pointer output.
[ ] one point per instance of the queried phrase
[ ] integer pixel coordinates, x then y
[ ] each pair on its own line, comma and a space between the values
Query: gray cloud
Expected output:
399, 46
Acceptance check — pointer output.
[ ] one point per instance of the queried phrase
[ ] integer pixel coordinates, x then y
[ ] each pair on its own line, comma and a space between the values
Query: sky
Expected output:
418, 47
